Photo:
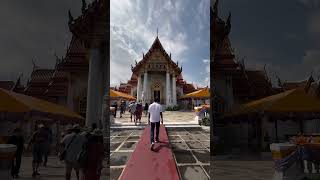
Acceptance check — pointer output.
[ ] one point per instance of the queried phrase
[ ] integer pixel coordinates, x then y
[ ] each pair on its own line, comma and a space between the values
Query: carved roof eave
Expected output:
87, 27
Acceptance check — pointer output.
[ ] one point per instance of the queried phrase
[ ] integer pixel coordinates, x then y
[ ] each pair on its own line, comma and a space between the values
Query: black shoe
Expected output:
37, 173
151, 147
34, 174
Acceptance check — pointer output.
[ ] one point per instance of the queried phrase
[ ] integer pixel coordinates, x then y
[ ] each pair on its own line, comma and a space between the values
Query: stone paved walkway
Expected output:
191, 150
170, 117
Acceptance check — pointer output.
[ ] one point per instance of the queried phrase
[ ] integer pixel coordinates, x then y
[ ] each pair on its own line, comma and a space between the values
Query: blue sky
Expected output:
183, 31
284, 35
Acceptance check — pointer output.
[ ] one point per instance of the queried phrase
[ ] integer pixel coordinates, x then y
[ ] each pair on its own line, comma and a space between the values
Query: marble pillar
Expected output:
145, 84
168, 89
174, 90
139, 88
95, 87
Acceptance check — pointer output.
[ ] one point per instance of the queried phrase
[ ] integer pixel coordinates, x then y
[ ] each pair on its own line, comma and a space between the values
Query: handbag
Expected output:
62, 155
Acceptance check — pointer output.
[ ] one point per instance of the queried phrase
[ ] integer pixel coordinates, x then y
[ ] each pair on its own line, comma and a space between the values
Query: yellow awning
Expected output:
200, 94
11, 102
295, 101
117, 94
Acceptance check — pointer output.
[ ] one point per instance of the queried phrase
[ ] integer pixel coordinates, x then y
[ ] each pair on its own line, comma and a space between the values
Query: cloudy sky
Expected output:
33, 30
183, 31
284, 35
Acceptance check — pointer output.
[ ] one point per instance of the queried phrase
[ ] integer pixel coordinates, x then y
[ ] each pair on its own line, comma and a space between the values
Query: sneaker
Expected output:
151, 147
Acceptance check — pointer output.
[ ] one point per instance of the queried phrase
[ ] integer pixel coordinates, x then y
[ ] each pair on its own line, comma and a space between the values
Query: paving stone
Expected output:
191, 172
182, 133
187, 138
118, 139
200, 137
175, 138
133, 138
114, 146
202, 155
115, 173
206, 144
114, 133
119, 158
194, 145
207, 169
184, 156
179, 145
125, 133
128, 146
137, 132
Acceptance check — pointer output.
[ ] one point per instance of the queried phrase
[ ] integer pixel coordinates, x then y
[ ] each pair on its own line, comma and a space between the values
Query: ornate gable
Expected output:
156, 59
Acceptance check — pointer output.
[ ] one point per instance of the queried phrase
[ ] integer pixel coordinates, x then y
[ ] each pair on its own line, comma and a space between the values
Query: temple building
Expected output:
233, 83
156, 75
81, 72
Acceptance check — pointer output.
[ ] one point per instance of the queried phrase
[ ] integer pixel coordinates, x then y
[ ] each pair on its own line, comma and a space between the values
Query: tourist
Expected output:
18, 140
92, 165
72, 145
146, 107
47, 146
122, 108
155, 112
38, 142
138, 112
132, 110
115, 105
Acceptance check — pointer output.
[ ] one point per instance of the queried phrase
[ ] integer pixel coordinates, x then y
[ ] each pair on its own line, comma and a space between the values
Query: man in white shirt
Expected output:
155, 112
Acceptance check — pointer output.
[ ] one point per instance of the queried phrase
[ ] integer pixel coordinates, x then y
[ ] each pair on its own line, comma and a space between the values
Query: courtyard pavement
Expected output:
54, 170
170, 117
191, 150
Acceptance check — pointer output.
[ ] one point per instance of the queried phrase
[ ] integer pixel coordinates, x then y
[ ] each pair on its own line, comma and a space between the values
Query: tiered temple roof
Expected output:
156, 45
247, 84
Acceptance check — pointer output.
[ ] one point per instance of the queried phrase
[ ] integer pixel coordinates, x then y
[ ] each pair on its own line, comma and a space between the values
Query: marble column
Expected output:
167, 89
145, 84
139, 88
174, 90
95, 87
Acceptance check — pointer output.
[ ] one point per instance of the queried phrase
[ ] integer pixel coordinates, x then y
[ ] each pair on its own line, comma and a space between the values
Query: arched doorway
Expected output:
156, 92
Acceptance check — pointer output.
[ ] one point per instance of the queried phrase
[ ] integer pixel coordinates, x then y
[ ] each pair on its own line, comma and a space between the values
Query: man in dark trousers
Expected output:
18, 140
155, 112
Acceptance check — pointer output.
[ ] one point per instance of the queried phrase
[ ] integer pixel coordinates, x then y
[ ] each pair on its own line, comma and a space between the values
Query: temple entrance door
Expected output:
156, 94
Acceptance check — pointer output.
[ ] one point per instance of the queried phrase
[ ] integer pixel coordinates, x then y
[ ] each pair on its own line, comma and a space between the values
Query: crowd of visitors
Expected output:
81, 149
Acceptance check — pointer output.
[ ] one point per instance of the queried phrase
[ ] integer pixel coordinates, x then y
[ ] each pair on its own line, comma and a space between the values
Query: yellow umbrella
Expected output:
117, 94
15, 103
200, 94
291, 101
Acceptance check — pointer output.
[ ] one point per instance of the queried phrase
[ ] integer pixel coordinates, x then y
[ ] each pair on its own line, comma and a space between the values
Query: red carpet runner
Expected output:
151, 165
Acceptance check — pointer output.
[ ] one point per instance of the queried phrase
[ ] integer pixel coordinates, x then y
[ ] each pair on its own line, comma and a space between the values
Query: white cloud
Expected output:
133, 33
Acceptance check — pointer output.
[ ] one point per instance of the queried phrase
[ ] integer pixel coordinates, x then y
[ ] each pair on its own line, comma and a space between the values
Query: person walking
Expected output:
18, 140
122, 108
132, 110
72, 145
146, 107
138, 112
47, 146
155, 112
38, 142
115, 105
94, 148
